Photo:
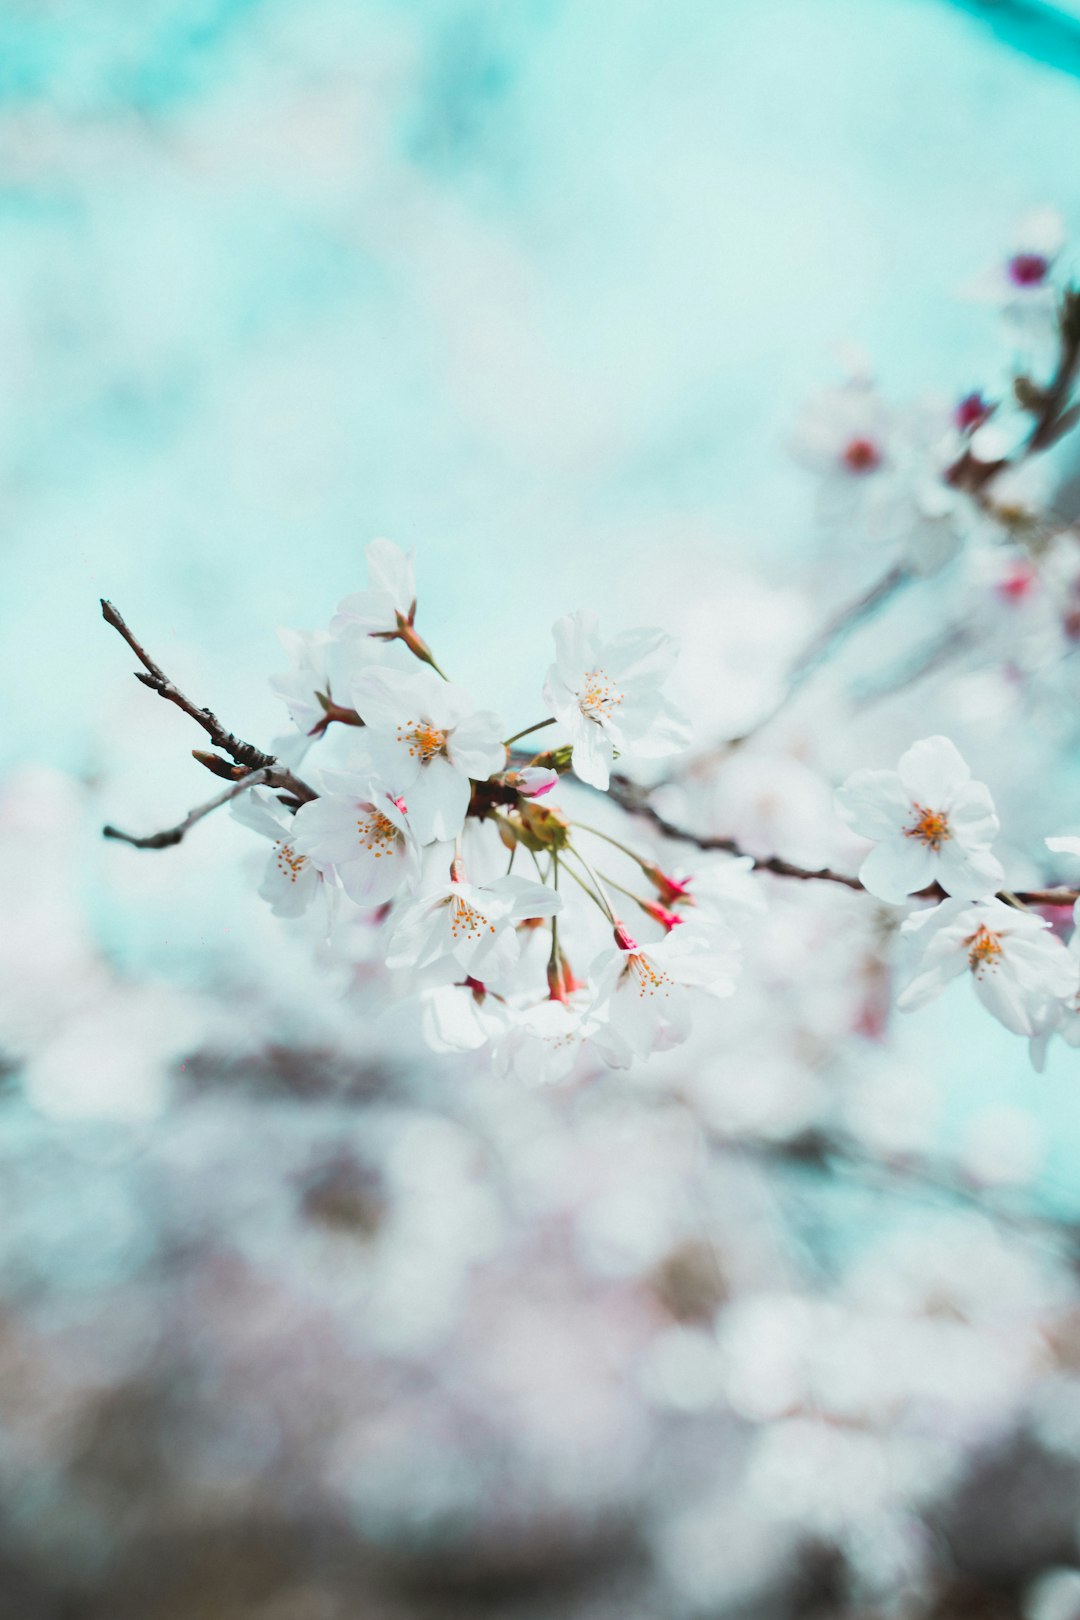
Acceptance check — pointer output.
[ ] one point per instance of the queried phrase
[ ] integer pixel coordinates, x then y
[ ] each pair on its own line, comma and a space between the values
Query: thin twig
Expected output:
263, 769
174, 835
243, 753
633, 800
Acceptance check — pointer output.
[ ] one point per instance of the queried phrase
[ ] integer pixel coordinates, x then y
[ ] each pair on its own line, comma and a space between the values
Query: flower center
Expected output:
466, 923
984, 950
377, 834
1028, 269
651, 980
600, 697
861, 456
424, 740
971, 412
289, 863
932, 827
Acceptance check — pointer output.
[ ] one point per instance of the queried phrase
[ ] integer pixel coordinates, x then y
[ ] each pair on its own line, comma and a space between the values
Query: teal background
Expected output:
534, 287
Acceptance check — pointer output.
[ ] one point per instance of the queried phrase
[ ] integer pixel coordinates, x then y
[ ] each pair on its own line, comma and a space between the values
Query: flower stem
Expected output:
572, 849
539, 726
596, 833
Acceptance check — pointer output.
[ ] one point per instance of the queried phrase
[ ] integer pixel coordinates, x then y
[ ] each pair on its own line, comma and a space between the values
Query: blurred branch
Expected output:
635, 800
828, 1151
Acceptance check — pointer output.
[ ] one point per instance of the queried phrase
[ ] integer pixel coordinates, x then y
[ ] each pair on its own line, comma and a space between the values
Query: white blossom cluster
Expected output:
931, 825
479, 940
429, 816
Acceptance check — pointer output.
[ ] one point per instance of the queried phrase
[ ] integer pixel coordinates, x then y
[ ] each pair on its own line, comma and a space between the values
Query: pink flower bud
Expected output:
532, 782
1027, 269
661, 914
671, 890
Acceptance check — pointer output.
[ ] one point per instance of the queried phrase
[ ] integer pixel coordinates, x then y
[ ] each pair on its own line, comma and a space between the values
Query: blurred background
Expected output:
297, 1321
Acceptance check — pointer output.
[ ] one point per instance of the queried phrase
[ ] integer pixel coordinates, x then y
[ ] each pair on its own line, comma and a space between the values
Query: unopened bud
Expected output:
671, 890
661, 914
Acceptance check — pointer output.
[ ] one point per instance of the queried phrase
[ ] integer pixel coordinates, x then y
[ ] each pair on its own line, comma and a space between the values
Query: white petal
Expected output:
576, 646
391, 571
969, 874
972, 816
438, 800
875, 804
1005, 998
897, 868
932, 770
368, 612
640, 655
1064, 845
476, 746
594, 753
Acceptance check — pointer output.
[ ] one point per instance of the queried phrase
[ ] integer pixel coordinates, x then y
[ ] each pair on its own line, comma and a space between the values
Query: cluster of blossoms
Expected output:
431, 813
932, 829
424, 817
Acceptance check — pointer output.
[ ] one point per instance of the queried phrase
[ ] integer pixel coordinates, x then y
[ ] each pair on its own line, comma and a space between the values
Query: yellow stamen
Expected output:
931, 828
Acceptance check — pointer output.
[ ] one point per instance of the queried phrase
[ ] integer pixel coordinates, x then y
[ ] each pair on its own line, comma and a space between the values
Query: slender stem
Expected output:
638, 899
580, 881
583, 826
528, 731
174, 835
553, 960
572, 849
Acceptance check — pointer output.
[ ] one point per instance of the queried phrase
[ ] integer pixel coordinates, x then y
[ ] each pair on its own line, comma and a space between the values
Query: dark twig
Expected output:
262, 769
634, 800
243, 753
174, 835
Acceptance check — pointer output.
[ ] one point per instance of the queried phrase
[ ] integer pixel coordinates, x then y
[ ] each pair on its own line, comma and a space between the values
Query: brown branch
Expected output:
174, 835
632, 799
262, 769
243, 753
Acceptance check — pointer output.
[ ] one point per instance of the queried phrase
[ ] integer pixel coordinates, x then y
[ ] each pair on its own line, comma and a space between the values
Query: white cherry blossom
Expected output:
389, 603
1023, 283
540, 1045
360, 832
1018, 967
608, 696
291, 881
930, 824
423, 738
644, 991
472, 925
461, 1017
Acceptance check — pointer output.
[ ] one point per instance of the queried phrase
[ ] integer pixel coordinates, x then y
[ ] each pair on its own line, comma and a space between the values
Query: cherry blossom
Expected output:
1019, 968
390, 599
930, 824
423, 737
644, 991
471, 925
540, 1045
362, 835
292, 881
1022, 283
461, 1017
608, 695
